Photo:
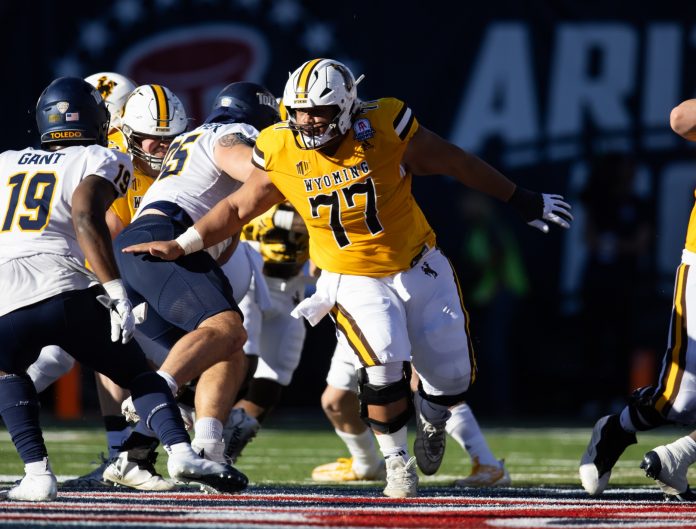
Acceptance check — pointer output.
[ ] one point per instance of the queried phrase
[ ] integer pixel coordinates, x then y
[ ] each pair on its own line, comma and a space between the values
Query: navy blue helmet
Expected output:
245, 103
72, 111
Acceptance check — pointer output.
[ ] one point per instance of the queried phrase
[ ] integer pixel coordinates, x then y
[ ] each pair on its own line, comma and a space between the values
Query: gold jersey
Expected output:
357, 203
284, 251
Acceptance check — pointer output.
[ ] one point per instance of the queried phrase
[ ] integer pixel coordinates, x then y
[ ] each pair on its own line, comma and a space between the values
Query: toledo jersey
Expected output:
357, 204
124, 207
284, 251
36, 216
189, 176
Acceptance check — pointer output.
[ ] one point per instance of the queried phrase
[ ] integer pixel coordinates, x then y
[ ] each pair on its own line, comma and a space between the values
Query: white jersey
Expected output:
39, 253
189, 177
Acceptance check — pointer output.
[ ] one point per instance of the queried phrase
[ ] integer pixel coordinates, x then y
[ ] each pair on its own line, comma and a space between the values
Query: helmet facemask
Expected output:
135, 142
307, 135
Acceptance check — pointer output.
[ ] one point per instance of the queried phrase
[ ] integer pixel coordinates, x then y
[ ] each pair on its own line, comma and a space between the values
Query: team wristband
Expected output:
191, 241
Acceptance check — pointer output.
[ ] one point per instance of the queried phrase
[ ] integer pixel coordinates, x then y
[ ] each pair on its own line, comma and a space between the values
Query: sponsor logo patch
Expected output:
363, 130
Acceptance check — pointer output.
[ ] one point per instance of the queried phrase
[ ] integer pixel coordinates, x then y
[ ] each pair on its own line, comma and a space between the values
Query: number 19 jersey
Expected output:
39, 252
357, 203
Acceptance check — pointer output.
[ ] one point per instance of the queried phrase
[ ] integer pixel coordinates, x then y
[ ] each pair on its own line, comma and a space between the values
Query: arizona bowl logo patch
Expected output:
363, 129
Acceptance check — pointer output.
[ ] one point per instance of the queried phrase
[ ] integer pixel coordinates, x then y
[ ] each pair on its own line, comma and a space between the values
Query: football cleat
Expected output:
669, 472
402, 479
210, 449
606, 445
187, 467
93, 479
238, 431
342, 470
429, 446
136, 469
42, 486
486, 476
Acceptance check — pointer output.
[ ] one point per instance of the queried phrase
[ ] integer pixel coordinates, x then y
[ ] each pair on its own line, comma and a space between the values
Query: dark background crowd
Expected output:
564, 96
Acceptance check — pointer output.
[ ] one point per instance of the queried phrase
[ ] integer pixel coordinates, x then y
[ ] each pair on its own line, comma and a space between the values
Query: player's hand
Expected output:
536, 208
167, 250
122, 319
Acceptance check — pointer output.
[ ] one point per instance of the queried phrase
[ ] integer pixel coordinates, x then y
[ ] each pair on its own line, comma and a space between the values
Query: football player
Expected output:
55, 204
346, 167
672, 400
192, 312
151, 118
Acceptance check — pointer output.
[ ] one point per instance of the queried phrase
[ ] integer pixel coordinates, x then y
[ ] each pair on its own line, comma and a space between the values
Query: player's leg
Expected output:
24, 332
342, 407
280, 338
671, 400
371, 322
88, 338
193, 295
441, 352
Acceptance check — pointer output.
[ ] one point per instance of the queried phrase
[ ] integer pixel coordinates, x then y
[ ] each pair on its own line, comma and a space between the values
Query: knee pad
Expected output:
52, 363
264, 392
384, 394
443, 400
641, 409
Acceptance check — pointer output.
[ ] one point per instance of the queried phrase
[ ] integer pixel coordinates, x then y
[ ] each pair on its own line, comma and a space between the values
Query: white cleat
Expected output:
669, 472
41, 486
402, 478
189, 467
136, 469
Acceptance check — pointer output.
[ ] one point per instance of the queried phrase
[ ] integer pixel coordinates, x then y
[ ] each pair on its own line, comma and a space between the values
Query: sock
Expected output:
464, 429
394, 444
362, 449
208, 428
117, 431
19, 408
155, 405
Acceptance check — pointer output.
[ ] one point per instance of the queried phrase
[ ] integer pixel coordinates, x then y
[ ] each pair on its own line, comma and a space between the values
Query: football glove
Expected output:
535, 208
120, 310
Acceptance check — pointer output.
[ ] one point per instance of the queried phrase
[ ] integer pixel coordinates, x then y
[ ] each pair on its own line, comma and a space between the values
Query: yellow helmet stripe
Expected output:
677, 361
303, 80
162, 105
356, 339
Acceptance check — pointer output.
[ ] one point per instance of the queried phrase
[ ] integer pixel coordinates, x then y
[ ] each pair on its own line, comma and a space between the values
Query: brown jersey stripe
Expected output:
162, 105
349, 327
303, 80
675, 361
469, 343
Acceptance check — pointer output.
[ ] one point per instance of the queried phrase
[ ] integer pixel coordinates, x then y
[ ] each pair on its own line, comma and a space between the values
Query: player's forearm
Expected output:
220, 223
94, 239
477, 174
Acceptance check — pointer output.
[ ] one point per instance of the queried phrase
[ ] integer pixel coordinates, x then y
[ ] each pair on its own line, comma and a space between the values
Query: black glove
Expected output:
535, 208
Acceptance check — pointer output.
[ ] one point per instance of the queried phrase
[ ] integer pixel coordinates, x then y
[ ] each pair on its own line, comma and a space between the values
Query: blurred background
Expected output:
562, 96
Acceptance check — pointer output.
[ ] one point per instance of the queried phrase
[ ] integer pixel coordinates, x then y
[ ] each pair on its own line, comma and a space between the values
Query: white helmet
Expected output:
115, 89
322, 82
152, 111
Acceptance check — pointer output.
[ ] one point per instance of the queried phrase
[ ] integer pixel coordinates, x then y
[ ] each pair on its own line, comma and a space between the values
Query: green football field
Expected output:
284, 453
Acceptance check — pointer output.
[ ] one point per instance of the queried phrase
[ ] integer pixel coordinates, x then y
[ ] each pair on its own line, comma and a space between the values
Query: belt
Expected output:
425, 249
